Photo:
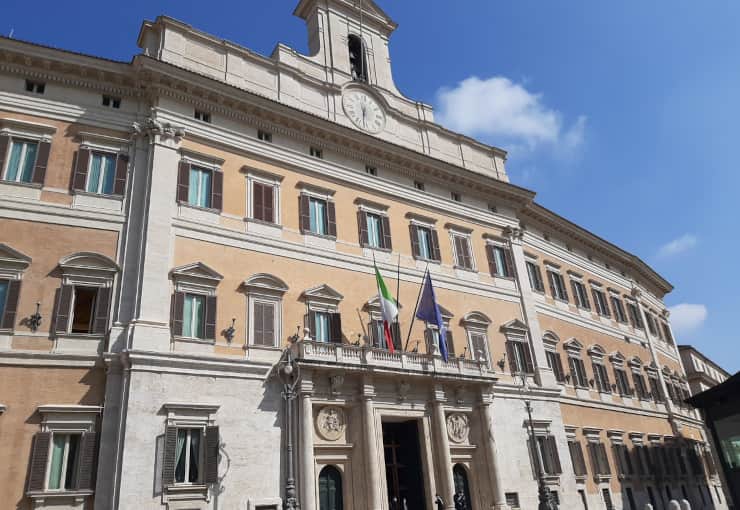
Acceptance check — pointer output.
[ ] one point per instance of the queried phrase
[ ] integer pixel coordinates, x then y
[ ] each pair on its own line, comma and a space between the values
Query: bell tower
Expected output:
350, 39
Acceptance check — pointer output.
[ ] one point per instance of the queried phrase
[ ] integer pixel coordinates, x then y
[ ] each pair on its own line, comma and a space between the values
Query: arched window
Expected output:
357, 58
462, 489
330, 489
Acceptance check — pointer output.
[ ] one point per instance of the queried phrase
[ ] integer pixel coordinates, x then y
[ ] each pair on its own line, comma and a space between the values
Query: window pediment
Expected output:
476, 319
89, 268
617, 357
322, 293
373, 304
514, 326
25, 129
12, 262
596, 352
635, 362
573, 346
265, 282
550, 339
196, 277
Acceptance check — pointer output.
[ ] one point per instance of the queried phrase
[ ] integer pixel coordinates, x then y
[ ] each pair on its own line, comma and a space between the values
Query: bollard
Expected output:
673, 505
648, 506
685, 505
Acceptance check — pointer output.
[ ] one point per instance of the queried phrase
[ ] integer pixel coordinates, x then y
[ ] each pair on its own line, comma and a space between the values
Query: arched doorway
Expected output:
462, 488
330, 489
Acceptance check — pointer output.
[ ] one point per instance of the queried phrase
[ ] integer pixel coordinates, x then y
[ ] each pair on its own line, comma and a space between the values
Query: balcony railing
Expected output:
364, 356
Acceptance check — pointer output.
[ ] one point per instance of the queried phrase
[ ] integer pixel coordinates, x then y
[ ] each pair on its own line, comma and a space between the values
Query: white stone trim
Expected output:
104, 143
34, 131
268, 179
200, 160
277, 303
69, 418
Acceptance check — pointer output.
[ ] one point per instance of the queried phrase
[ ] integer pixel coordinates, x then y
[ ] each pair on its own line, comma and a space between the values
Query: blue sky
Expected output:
621, 115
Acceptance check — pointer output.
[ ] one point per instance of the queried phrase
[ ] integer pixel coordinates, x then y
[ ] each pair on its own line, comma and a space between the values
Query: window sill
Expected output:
39, 497
602, 478
467, 269
194, 492
263, 222
192, 340
79, 342
318, 236
376, 248
22, 184
97, 200
25, 190
194, 212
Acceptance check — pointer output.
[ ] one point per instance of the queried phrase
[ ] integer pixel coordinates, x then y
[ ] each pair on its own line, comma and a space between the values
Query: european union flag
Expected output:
428, 311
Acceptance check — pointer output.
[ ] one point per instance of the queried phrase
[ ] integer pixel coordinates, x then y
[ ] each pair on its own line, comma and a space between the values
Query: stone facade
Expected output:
203, 210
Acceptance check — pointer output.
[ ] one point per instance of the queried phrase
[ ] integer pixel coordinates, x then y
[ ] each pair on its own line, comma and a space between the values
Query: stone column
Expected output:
489, 446
446, 487
307, 475
544, 374
371, 447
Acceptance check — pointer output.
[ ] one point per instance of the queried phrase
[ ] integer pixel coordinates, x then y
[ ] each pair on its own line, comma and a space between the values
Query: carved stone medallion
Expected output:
331, 423
458, 427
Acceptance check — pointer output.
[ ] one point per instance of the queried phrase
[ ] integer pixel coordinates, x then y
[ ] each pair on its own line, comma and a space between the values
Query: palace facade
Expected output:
171, 227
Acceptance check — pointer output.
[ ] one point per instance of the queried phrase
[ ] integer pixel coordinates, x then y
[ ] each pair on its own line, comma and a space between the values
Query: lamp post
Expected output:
288, 371
545, 500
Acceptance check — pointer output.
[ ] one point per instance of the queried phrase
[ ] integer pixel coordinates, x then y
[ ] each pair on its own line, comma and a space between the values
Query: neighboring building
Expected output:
701, 372
183, 218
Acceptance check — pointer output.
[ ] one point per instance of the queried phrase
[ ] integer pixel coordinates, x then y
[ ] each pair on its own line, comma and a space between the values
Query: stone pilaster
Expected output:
372, 452
446, 488
307, 475
489, 447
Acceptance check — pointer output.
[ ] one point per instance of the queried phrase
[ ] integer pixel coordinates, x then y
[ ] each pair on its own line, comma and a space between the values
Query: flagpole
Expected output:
413, 316
398, 293
377, 287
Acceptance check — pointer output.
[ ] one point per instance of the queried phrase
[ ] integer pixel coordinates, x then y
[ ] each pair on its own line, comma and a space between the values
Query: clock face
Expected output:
363, 111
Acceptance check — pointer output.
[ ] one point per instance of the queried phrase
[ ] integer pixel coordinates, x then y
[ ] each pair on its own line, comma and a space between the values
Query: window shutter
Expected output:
258, 321
604, 467
183, 184
63, 308
80, 174
509, 263
335, 328
176, 310
268, 201
4, 144
512, 358
102, 307
268, 325
449, 343
529, 365
551, 277
386, 226
616, 451
415, 250
305, 215
168, 458
39, 457
552, 450
217, 190
396, 334
119, 186
210, 326
435, 246
560, 373
491, 260
211, 460
87, 455
258, 203
540, 284
576, 296
310, 319
42, 159
594, 457
362, 225
7, 321
561, 280
331, 219
597, 303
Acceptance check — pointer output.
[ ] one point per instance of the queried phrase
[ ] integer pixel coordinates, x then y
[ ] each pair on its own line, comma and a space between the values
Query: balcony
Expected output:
364, 358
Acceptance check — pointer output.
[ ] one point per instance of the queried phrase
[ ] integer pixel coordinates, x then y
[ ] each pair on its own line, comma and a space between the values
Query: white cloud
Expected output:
686, 317
679, 245
507, 113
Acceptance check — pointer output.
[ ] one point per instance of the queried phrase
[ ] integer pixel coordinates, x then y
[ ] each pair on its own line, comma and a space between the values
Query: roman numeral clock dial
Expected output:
363, 111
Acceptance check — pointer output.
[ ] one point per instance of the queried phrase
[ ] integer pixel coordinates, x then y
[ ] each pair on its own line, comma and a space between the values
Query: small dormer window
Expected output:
35, 86
357, 58
111, 102
202, 116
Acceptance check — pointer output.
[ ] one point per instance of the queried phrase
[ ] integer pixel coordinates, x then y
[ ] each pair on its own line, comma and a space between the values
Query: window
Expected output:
21, 161
576, 457
317, 213
4, 286
424, 243
580, 295
194, 302
623, 460
325, 326
631, 499
377, 332
199, 187
193, 325
478, 346
655, 389
652, 327
35, 86
263, 201
101, 173
431, 337
419, 185
520, 358
188, 456
317, 216
547, 452
618, 308
557, 286
599, 459
607, 499
601, 377
371, 170
264, 309
512, 499
602, 307
578, 372
454, 195
492, 208
316, 152
463, 255
555, 362
111, 102
202, 116
357, 58
535, 277
635, 318
264, 136
639, 382
374, 230
584, 501
62, 468
83, 309
499, 261
623, 386
667, 333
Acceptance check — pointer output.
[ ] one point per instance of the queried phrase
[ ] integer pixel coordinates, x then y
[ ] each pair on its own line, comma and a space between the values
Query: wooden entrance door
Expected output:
330, 489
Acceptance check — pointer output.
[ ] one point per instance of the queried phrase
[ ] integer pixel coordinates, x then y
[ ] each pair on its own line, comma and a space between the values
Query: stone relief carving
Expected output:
403, 390
458, 427
331, 423
153, 127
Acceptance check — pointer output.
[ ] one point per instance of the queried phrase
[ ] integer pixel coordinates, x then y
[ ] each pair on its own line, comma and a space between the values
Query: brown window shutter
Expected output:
435, 246
604, 460
414, 236
594, 457
183, 183
309, 321
335, 328
210, 329
576, 296
168, 457
268, 201
42, 159
7, 321
64, 302
362, 226
386, 227
119, 186
616, 452
268, 325
509, 263
176, 310
217, 191
79, 178
211, 460
540, 285
258, 201
87, 456
551, 278
102, 307
449, 343
4, 146
396, 335
258, 323
552, 448
39, 458
491, 255
560, 376
529, 365
331, 219
305, 215
512, 357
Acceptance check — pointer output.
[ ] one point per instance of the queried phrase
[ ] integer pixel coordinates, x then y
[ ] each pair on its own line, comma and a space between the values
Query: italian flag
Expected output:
388, 309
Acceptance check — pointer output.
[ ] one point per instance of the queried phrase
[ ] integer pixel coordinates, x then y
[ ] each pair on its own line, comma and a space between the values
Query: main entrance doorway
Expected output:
403, 468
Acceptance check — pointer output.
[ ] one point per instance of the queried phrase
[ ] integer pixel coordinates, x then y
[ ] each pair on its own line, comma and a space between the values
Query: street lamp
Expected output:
288, 371
546, 502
